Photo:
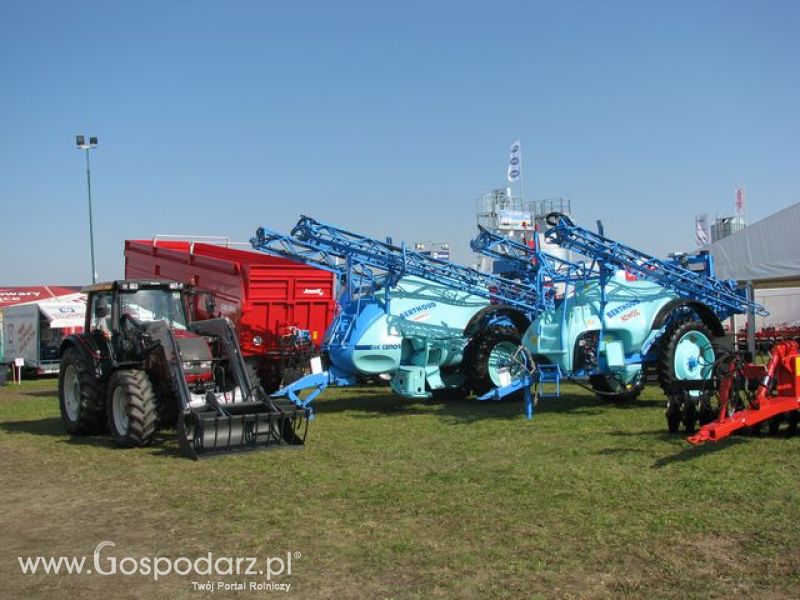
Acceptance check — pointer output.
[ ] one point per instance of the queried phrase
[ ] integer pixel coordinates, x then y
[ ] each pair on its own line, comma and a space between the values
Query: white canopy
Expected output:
768, 250
65, 311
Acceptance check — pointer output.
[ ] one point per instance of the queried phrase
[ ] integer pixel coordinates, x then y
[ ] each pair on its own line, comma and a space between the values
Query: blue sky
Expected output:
215, 118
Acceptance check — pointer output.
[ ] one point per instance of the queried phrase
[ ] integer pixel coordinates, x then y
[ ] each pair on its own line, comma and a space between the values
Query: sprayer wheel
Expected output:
610, 389
490, 350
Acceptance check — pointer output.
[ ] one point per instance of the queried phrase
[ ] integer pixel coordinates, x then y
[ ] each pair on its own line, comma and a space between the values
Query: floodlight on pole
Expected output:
80, 142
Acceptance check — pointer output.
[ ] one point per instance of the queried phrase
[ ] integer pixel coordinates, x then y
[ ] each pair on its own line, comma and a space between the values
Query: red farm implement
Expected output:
751, 394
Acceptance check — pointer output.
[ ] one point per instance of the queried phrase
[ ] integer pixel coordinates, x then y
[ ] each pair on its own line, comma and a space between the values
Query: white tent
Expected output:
766, 253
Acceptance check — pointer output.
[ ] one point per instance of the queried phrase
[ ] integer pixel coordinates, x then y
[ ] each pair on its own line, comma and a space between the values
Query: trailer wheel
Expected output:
609, 388
131, 408
490, 350
687, 354
80, 395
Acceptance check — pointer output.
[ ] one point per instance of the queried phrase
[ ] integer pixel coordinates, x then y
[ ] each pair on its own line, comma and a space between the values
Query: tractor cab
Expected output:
112, 306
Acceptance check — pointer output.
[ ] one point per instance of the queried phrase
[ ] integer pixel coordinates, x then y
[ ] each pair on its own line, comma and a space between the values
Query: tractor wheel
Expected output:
131, 408
489, 351
80, 396
687, 354
167, 404
610, 389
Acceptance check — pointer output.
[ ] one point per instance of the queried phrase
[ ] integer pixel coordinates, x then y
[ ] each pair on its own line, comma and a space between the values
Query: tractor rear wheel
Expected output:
687, 354
490, 351
132, 414
80, 395
609, 388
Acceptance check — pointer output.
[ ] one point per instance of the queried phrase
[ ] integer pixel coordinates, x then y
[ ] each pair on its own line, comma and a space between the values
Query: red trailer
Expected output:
270, 300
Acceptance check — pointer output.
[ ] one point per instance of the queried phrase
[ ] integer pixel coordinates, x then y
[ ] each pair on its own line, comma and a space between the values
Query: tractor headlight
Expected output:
257, 340
204, 365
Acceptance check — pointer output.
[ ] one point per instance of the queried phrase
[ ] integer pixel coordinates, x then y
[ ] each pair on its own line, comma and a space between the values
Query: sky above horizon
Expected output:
386, 119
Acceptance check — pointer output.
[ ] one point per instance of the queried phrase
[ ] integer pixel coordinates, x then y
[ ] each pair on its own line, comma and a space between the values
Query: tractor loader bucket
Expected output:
240, 427
256, 422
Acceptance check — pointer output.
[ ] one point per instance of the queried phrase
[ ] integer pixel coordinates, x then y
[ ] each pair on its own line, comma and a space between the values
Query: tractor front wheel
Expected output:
132, 412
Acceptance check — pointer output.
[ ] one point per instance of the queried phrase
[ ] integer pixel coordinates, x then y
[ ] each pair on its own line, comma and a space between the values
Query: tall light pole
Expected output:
82, 145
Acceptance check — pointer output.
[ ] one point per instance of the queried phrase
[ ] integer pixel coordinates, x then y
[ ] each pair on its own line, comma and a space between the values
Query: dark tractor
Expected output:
142, 365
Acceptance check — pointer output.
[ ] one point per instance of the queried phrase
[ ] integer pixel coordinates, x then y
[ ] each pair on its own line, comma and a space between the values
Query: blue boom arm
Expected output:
532, 262
722, 296
398, 261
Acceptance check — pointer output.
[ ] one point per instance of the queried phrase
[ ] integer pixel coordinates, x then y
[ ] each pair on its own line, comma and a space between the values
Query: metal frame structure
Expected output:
722, 296
371, 265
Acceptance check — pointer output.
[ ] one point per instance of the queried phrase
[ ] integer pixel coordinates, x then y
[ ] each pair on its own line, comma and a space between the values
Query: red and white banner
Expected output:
9, 296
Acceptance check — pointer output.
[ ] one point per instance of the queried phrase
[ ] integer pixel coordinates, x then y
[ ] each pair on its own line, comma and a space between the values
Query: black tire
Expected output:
476, 357
81, 397
451, 376
607, 388
132, 415
691, 407
256, 383
167, 405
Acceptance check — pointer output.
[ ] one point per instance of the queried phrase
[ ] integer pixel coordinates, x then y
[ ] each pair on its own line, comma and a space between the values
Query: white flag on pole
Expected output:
701, 230
515, 161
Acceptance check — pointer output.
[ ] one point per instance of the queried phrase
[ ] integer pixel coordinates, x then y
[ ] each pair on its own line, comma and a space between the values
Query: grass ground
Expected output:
399, 499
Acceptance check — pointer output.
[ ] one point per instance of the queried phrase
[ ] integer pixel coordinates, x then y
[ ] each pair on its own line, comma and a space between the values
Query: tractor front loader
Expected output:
141, 365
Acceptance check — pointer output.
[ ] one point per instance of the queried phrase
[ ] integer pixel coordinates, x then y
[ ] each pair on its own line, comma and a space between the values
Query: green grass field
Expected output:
399, 499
